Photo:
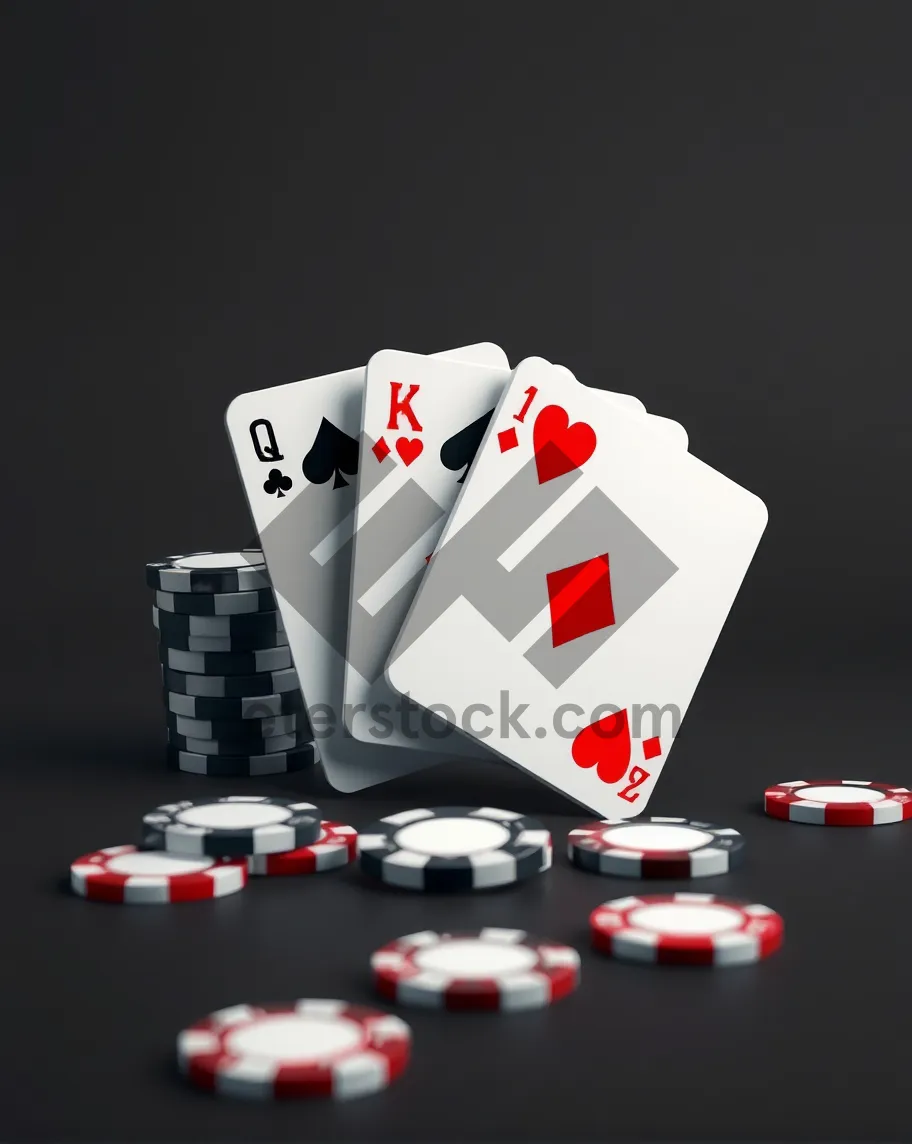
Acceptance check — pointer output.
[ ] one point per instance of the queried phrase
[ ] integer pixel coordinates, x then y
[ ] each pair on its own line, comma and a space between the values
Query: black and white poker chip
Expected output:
654, 847
236, 730
216, 603
454, 848
282, 681
232, 826
244, 707
226, 662
247, 746
276, 763
222, 643
218, 627
243, 571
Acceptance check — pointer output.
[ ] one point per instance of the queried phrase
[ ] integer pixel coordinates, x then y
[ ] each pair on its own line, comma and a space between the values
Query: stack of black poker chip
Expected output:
232, 699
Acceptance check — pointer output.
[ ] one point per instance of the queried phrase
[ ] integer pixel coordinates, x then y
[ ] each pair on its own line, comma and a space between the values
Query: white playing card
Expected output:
422, 421
297, 454
577, 591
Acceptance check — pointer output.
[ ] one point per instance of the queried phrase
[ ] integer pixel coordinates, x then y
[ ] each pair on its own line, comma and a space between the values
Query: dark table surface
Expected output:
703, 204
807, 1045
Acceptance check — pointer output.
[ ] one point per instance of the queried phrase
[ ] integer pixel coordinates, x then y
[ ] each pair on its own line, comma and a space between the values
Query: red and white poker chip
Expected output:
838, 802
304, 1048
491, 969
336, 846
686, 929
153, 877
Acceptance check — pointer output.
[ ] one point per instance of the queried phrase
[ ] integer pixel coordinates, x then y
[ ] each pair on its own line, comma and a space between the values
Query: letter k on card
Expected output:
408, 449
614, 560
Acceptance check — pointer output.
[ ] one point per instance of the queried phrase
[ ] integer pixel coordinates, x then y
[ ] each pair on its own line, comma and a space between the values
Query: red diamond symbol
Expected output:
507, 439
580, 600
381, 450
651, 747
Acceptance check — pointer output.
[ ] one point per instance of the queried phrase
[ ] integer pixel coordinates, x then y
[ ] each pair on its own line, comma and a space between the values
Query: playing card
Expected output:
423, 420
296, 448
577, 591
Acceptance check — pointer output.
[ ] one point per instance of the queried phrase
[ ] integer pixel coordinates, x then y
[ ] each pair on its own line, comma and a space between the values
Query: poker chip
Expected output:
251, 707
231, 827
305, 1048
216, 603
838, 802
217, 627
153, 877
454, 848
275, 763
686, 929
218, 686
336, 846
222, 646
225, 663
490, 969
236, 729
247, 746
210, 572
222, 643
655, 848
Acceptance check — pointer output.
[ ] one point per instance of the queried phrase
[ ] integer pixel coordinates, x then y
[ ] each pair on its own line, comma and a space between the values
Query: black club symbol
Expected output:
277, 483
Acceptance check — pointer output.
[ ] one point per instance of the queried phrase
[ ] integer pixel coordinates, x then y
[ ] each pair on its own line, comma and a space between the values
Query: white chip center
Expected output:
452, 837
840, 794
475, 958
685, 918
233, 815
655, 836
205, 560
295, 1040
156, 862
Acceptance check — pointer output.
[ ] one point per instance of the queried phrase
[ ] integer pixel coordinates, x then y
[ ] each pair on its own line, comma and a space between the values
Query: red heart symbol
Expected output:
604, 745
409, 448
559, 446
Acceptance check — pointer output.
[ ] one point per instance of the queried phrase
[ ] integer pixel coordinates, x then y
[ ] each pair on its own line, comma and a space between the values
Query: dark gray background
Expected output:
707, 205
